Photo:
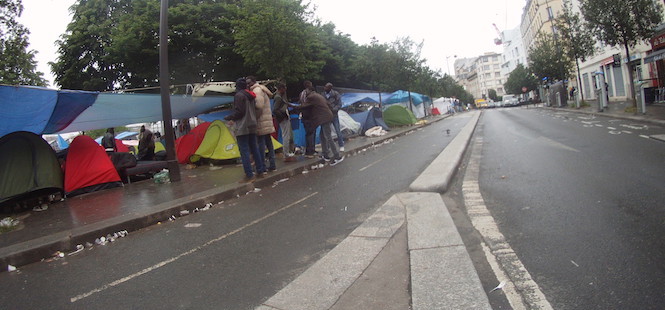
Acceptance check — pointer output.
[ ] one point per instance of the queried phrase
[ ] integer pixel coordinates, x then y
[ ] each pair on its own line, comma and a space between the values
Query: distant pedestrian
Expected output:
335, 104
243, 118
281, 114
146, 146
265, 126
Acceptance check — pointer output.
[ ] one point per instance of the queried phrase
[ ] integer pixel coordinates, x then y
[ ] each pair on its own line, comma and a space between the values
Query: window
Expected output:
488, 75
486, 67
497, 74
495, 58
496, 67
486, 59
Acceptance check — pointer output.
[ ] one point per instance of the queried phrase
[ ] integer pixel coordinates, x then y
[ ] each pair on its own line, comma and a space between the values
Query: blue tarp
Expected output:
45, 111
351, 98
40, 110
403, 96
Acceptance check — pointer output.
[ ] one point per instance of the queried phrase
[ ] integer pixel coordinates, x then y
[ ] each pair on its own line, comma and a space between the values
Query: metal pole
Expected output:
164, 81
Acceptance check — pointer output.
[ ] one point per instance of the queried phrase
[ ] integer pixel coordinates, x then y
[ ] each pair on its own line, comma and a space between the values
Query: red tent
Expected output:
121, 147
88, 168
186, 145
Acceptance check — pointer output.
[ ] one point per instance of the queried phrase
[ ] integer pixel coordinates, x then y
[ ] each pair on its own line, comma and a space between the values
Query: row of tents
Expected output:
30, 167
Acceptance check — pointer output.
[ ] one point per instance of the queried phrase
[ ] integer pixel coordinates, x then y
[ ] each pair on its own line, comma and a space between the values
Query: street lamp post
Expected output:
172, 163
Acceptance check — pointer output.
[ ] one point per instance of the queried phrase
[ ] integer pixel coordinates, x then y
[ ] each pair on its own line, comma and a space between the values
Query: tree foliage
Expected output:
623, 23
114, 44
17, 63
547, 60
576, 38
491, 93
518, 78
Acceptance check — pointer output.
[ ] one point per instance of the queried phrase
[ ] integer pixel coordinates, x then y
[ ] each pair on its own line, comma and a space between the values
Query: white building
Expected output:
513, 52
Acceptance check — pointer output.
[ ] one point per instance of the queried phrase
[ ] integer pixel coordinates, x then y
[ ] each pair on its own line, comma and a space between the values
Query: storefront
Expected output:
654, 62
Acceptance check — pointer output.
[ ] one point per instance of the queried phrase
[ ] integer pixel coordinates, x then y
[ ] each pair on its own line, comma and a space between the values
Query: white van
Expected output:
510, 101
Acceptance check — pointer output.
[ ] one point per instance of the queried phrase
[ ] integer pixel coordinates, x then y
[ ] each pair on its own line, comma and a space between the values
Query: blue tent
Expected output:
351, 98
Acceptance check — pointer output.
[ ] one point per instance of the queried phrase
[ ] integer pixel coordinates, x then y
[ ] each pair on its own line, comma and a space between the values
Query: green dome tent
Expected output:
218, 144
397, 115
29, 168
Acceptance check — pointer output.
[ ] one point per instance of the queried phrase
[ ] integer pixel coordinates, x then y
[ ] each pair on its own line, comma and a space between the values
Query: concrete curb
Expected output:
37, 249
439, 173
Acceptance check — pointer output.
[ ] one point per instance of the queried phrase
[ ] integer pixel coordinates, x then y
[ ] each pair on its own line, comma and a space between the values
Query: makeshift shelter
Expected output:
414, 102
186, 145
347, 124
443, 105
218, 144
29, 167
88, 168
371, 118
397, 115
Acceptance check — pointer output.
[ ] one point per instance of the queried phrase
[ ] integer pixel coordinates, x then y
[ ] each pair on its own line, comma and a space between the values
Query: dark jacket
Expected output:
316, 110
281, 108
108, 141
334, 100
244, 113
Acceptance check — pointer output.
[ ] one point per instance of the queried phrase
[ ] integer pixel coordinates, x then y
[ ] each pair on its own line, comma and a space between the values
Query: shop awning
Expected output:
655, 56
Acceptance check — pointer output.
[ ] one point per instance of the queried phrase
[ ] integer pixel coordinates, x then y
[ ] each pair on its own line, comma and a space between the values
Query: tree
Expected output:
491, 93
274, 36
17, 65
623, 23
577, 40
518, 78
547, 60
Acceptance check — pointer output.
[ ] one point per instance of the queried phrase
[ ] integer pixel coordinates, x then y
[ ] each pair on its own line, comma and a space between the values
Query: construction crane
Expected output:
499, 39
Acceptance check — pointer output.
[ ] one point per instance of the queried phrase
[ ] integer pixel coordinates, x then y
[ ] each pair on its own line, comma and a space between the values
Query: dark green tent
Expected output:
397, 115
29, 168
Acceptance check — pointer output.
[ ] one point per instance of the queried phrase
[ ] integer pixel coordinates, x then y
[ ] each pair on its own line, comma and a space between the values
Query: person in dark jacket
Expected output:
108, 141
310, 130
335, 103
146, 146
316, 108
243, 119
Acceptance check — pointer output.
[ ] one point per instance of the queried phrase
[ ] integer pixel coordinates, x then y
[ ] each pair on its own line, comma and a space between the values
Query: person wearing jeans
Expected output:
335, 104
243, 118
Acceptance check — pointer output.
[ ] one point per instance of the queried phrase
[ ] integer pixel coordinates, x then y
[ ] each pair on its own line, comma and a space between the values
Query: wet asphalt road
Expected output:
241, 251
580, 200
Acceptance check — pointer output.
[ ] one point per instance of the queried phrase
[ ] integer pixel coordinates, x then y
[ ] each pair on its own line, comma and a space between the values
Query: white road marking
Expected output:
599, 125
635, 126
557, 144
611, 128
645, 136
495, 245
194, 250
626, 131
614, 132
375, 162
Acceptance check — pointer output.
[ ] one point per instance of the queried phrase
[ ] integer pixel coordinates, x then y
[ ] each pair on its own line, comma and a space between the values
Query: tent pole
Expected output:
410, 103
164, 81
380, 102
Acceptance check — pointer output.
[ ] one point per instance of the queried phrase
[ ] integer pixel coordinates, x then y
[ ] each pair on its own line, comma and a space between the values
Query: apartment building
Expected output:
513, 51
480, 74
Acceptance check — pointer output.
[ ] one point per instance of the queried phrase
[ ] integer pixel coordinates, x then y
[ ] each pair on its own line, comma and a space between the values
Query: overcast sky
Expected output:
448, 28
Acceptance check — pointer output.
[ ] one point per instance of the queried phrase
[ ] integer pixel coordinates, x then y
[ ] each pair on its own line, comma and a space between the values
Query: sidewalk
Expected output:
655, 113
415, 226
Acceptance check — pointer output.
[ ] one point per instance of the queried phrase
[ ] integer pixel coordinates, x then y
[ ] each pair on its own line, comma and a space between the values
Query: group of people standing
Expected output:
253, 121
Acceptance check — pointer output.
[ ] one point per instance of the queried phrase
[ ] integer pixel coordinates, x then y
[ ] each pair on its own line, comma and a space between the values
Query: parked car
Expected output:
510, 101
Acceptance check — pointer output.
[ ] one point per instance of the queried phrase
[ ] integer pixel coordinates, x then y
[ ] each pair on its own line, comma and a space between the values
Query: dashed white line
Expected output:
495, 245
611, 128
181, 255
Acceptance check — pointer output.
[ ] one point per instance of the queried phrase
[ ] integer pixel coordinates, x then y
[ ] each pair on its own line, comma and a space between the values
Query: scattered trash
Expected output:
498, 287
172, 218
219, 203
574, 263
212, 168
345, 208
321, 166
274, 184
256, 190
40, 208
8, 223
184, 212
162, 177
305, 171
79, 248
11, 268
193, 225
88, 245
100, 241
503, 177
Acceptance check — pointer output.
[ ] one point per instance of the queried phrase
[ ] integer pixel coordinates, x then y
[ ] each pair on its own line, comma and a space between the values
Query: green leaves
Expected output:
518, 78
622, 22
17, 64
547, 59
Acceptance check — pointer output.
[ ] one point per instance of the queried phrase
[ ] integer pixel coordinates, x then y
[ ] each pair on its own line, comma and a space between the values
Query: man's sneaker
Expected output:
248, 180
341, 149
324, 158
337, 161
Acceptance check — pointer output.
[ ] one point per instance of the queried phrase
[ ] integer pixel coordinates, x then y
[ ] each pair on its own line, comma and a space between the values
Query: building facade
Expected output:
513, 52
480, 74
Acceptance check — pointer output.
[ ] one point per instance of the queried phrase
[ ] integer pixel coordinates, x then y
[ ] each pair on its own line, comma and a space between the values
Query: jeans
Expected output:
248, 146
338, 131
266, 140
287, 135
310, 137
327, 144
